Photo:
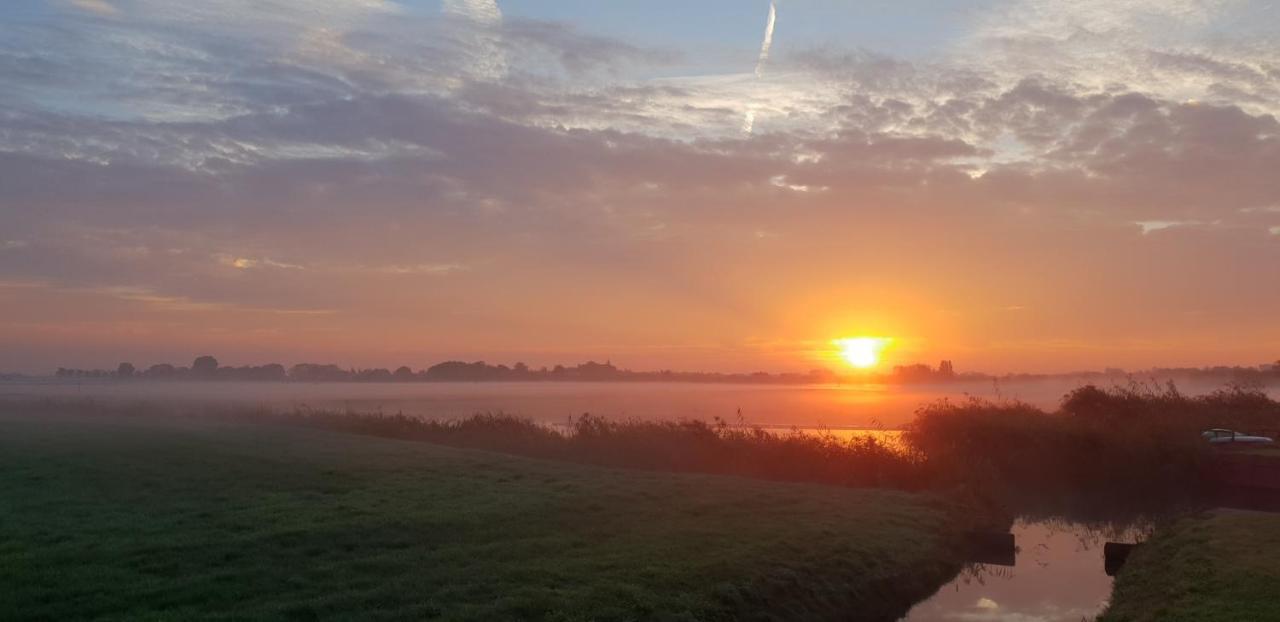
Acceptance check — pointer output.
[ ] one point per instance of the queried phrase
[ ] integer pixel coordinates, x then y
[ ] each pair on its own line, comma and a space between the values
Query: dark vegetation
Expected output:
1125, 441
182, 518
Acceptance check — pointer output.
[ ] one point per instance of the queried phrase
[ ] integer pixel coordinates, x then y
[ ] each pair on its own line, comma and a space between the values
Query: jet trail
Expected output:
768, 39
748, 123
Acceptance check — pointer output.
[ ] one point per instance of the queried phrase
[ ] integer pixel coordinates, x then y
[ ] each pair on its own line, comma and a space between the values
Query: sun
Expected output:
862, 352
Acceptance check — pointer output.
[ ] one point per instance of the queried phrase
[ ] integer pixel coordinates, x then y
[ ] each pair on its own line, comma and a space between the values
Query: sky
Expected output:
1015, 185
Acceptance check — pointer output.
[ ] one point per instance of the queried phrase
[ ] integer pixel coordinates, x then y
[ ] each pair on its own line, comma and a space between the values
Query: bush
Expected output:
1133, 439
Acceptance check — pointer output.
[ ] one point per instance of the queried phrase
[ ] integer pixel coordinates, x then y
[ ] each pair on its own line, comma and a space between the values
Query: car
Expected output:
1219, 436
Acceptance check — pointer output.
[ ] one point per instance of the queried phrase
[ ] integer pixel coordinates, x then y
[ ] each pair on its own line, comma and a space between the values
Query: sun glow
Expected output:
862, 352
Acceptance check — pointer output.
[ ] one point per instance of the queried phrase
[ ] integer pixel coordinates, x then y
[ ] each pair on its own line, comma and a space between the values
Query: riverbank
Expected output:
1216, 566
195, 518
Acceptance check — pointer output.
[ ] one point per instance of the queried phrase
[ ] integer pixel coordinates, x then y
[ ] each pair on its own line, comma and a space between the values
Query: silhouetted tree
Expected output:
403, 373
822, 375
918, 372
458, 370
946, 369
161, 370
125, 370
374, 375
204, 366
311, 372
270, 371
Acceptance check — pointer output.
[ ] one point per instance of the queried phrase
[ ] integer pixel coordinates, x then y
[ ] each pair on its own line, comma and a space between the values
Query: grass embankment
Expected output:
1217, 566
196, 518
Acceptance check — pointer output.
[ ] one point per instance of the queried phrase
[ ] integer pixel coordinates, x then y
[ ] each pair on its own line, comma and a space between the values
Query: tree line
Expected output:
207, 368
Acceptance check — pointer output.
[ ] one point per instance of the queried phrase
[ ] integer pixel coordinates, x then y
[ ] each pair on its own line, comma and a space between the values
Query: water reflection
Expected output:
1058, 575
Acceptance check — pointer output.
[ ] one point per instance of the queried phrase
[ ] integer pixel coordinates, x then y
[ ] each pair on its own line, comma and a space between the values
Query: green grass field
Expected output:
197, 519
1220, 566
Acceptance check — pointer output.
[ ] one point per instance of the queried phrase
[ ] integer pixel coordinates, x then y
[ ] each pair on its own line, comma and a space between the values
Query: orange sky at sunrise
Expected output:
404, 183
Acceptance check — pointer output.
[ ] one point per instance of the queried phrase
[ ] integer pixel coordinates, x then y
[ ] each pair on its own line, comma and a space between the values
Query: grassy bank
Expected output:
1217, 566
144, 518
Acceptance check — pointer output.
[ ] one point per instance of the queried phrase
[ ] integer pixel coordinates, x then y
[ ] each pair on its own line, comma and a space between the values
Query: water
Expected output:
1058, 575
837, 407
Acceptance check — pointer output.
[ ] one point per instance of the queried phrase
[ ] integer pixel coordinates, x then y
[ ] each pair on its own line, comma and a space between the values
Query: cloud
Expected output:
152, 300
483, 11
246, 263
1168, 50
99, 7
434, 269
246, 155
480, 23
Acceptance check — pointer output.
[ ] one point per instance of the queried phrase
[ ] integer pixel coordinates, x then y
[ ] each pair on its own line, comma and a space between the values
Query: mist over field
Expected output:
803, 406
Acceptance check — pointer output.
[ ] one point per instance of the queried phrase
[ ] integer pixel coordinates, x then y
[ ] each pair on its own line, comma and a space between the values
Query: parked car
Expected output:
1219, 436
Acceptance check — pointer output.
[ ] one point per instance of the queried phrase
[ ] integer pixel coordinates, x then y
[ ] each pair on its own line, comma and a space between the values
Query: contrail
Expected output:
749, 122
768, 39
